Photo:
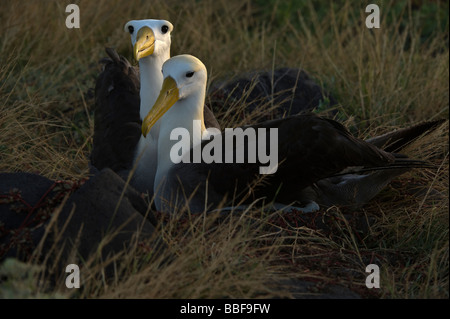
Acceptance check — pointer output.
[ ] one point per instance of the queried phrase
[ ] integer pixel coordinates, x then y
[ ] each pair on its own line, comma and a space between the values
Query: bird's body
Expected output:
151, 46
310, 150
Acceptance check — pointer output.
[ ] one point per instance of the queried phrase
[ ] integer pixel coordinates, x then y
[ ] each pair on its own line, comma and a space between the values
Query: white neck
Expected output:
180, 115
147, 148
151, 80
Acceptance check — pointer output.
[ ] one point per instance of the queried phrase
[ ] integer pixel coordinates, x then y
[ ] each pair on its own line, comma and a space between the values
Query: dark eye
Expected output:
131, 29
189, 74
164, 29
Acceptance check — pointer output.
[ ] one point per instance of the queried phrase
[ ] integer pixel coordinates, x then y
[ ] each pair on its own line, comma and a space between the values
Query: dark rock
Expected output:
22, 195
30, 188
101, 206
293, 91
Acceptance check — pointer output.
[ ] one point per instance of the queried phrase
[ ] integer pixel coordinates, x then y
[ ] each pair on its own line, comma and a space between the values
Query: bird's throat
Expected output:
151, 81
187, 115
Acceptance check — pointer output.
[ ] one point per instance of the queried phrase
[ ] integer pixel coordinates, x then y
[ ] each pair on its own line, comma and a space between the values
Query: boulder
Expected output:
103, 206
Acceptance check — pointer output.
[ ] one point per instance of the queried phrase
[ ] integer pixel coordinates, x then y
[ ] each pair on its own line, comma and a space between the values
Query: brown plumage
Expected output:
311, 150
117, 124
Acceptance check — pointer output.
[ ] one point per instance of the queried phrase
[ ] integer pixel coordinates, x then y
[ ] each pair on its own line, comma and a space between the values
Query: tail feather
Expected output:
402, 163
397, 140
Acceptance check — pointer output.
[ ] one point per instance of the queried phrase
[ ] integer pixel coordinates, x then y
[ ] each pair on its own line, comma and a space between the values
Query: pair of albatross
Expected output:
312, 151
124, 96
151, 47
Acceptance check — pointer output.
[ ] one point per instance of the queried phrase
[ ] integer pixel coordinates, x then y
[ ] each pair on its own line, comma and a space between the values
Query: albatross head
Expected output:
149, 37
184, 79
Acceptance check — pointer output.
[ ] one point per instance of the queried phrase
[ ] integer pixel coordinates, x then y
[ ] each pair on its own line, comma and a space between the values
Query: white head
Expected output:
189, 73
185, 77
149, 37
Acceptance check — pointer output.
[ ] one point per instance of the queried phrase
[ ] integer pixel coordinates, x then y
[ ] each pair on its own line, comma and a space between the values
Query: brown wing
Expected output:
117, 123
310, 148
209, 118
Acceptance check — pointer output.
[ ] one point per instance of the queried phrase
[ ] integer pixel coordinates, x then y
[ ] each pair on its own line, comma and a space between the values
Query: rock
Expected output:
99, 208
18, 281
30, 188
293, 91
21, 196
94, 210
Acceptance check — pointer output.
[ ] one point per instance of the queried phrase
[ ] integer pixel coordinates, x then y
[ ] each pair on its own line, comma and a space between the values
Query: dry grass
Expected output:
384, 79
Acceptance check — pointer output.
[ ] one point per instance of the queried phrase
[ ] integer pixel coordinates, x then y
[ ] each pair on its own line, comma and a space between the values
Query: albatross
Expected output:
123, 97
311, 150
151, 48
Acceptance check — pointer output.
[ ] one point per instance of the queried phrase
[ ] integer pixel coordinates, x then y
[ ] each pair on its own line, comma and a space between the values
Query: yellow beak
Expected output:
145, 43
168, 96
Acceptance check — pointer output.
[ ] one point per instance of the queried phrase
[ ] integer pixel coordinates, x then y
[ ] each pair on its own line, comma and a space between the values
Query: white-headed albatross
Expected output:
310, 149
122, 100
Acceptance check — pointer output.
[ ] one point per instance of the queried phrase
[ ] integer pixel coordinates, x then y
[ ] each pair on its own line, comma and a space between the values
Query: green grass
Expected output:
384, 79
